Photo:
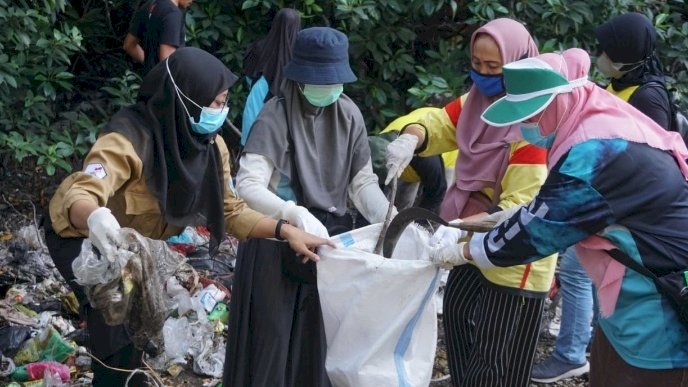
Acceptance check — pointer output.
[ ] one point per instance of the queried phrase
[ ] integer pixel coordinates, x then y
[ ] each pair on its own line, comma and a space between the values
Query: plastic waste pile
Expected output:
41, 343
43, 339
195, 329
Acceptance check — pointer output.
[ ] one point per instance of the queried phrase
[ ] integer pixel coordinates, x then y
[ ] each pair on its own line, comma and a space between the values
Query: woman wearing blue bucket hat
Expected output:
306, 156
604, 196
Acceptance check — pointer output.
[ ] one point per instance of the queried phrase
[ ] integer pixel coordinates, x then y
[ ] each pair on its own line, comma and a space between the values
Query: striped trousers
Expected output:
491, 335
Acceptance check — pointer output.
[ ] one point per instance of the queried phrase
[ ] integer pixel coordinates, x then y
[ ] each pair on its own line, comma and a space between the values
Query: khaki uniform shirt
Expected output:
113, 177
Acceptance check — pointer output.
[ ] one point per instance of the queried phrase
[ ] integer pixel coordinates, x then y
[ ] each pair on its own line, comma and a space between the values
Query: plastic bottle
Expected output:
220, 313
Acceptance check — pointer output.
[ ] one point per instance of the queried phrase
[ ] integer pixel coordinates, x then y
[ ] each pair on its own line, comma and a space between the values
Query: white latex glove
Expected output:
449, 256
399, 155
500, 216
103, 231
447, 235
300, 217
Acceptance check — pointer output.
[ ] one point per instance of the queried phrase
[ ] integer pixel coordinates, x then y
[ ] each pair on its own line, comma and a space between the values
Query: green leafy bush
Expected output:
63, 72
37, 50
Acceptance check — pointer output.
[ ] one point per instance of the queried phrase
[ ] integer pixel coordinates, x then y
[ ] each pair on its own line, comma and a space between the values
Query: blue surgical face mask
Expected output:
489, 85
210, 120
531, 133
322, 95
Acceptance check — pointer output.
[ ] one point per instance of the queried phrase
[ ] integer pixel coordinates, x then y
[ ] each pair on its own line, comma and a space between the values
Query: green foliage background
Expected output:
63, 71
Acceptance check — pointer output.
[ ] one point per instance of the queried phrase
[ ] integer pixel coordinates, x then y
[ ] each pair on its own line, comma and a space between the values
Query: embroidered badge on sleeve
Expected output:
96, 170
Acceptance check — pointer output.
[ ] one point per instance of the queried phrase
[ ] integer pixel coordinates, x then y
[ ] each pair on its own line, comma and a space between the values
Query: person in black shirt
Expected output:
629, 58
156, 31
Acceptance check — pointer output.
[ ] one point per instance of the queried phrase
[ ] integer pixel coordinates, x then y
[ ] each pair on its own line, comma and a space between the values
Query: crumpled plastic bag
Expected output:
90, 268
7, 366
177, 335
129, 289
47, 345
207, 350
12, 337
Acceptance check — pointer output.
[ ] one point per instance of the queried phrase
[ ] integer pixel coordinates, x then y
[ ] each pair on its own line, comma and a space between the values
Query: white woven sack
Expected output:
379, 313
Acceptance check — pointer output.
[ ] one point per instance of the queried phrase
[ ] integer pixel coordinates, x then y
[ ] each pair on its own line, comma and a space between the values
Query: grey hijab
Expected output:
328, 146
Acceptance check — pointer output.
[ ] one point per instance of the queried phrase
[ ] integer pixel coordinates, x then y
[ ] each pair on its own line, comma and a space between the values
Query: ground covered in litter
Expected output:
42, 336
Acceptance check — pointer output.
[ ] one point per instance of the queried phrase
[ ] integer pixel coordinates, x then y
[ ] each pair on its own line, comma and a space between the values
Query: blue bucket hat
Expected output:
321, 57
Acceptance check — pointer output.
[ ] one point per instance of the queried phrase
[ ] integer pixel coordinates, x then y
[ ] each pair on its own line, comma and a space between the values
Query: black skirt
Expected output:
276, 333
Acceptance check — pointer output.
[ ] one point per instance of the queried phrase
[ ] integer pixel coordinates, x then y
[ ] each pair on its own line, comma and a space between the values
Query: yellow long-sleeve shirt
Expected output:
525, 173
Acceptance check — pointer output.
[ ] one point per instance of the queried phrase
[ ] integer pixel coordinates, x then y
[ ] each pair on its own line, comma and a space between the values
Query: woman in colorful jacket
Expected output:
491, 317
629, 58
158, 167
603, 193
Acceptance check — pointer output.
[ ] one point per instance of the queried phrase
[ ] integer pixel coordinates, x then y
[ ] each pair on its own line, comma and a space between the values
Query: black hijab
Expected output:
631, 38
269, 55
182, 169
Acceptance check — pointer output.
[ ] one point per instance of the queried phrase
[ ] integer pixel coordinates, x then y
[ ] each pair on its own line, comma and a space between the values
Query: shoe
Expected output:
552, 370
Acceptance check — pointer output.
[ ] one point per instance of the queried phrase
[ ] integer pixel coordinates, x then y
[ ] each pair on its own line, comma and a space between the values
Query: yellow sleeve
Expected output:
440, 133
525, 173
111, 163
239, 218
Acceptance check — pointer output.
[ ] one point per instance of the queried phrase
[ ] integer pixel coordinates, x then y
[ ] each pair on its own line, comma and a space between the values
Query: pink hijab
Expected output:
483, 149
589, 112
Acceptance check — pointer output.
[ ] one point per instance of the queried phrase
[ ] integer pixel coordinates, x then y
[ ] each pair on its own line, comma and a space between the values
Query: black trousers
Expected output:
433, 182
110, 344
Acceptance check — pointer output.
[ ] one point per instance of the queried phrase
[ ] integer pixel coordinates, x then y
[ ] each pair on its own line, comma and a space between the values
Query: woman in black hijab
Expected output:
264, 65
268, 56
629, 57
158, 167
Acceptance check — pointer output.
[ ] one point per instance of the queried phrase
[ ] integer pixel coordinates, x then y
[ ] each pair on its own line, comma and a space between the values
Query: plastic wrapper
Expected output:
31, 236
177, 334
207, 350
7, 366
91, 268
134, 295
56, 372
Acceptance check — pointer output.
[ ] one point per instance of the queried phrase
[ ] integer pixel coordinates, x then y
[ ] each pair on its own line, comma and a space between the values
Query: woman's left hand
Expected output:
303, 243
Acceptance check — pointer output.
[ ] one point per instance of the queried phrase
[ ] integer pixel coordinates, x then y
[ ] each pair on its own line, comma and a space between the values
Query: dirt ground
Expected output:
24, 196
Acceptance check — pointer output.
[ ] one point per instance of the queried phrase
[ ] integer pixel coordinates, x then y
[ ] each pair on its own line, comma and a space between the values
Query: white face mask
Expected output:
613, 69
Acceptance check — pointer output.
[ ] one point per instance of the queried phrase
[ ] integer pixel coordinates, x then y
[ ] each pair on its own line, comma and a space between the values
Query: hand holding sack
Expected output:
447, 235
449, 256
300, 217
